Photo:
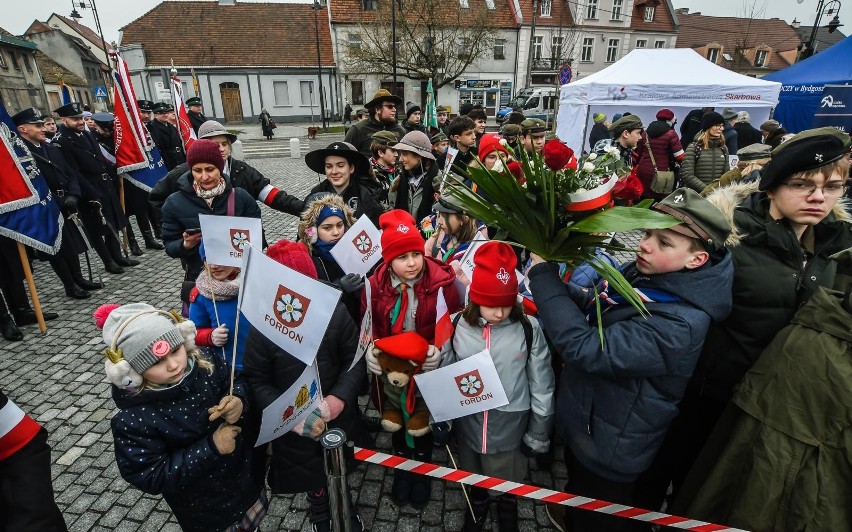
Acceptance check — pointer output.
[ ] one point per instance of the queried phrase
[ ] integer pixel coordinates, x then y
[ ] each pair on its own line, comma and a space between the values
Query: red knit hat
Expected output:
205, 151
399, 234
665, 114
406, 346
294, 255
489, 143
494, 282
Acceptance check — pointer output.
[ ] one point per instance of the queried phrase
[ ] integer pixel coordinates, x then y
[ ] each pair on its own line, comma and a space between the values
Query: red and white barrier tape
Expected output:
536, 493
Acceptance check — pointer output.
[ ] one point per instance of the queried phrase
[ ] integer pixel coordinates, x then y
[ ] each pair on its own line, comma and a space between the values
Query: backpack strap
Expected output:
453, 334
528, 332
232, 198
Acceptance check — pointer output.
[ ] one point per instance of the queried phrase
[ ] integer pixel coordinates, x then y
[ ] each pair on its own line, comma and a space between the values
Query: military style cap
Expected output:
385, 137
195, 100
70, 110
698, 217
807, 150
626, 122
510, 130
438, 137
162, 107
362, 111
444, 205
103, 117
441, 109
145, 105
534, 126
754, 152
28, 116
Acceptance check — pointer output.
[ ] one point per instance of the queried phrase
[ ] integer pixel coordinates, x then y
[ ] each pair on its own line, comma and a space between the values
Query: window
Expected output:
27, 62
612, 51
369, 5
307, 90
354, 40
587, 50
641, 43
281, 91
490, 5
617, 6
659, 44
15, 62
499, 48
537, 43
649, 14
713, 55
464, 48
546, 7
556, 47
357, 92
591, 9
464, 4
3, 61
760, 58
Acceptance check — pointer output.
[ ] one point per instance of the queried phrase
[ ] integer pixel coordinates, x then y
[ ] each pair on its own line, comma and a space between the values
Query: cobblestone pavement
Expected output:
59, 379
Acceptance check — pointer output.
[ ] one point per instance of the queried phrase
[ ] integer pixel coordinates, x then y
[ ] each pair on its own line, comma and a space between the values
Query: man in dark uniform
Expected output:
65, 185
146, 109
196, 117
101, 212
166, 136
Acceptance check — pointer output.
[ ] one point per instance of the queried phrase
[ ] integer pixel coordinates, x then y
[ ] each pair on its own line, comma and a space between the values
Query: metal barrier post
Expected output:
334, 443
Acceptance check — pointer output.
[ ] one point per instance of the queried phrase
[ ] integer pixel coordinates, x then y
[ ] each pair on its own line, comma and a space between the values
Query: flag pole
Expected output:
25, 264
464, 491
124, 240
216, 310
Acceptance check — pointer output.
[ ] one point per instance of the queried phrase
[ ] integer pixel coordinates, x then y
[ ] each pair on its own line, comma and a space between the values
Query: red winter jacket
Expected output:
436, 275
666, 145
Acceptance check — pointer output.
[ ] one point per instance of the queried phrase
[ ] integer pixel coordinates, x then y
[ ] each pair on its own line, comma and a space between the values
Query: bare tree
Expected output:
437, 40
745, 46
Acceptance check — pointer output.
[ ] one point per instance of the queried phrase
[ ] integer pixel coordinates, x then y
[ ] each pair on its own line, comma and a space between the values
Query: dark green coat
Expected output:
770, 284
781, 456
710, 164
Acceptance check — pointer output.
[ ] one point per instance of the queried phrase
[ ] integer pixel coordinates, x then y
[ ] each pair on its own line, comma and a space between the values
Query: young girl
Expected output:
490, 442
175, 432
456, 230
347, 174
415, 190
217, 322
404, 298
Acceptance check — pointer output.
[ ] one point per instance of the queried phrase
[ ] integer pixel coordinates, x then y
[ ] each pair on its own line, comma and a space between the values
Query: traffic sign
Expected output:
100, 92
565, 75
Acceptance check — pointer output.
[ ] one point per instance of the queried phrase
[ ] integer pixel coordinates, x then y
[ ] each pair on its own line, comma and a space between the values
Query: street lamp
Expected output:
822, 8
319, 4
77, 16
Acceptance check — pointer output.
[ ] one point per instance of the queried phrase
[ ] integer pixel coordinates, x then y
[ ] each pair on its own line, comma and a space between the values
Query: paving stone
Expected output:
71, 455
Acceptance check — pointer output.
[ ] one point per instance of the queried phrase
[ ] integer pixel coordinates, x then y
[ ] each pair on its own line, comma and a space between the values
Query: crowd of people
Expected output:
698, 406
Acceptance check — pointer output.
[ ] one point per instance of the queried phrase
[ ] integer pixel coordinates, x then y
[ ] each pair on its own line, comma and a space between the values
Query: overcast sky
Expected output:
117, 13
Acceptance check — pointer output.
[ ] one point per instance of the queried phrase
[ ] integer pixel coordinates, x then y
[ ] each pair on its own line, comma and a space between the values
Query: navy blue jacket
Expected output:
164, 445
615, 402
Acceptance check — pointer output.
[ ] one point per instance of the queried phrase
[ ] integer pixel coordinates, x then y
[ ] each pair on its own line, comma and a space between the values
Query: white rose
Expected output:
612, 150
588, 167
592, 156
503, 142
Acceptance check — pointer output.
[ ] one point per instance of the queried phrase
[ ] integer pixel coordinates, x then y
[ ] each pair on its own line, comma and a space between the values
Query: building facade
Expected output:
21, 84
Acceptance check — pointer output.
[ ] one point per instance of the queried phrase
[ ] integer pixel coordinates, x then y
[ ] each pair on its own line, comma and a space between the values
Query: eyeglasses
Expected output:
832, 189
389, 105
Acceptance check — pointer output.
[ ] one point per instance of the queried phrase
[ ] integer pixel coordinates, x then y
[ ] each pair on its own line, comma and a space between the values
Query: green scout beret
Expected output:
533, 126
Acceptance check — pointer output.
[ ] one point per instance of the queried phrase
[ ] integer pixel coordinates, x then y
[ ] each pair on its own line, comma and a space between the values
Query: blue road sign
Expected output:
100, 91
565, 75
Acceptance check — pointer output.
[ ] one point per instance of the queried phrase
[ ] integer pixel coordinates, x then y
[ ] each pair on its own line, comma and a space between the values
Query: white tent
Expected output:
645, 81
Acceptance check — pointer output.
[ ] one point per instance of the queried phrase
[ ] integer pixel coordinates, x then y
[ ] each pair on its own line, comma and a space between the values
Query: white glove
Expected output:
372, 362
219, 336
433, 358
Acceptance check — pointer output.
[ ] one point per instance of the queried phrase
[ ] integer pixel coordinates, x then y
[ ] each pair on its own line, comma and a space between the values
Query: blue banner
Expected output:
146, 178
835, 108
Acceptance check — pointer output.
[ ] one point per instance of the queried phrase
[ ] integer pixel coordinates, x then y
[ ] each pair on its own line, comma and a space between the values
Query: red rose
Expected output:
557, 155
514, 168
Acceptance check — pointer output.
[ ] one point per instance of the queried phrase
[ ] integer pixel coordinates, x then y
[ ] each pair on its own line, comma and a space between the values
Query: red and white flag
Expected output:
17, 191
443, 323
187, 134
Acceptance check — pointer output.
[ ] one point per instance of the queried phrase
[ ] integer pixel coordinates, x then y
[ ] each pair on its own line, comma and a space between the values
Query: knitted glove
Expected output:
433, 358
230, 408
351, 283
534, 443
373, 362
219, 336
314, 423
441, 433
225, 438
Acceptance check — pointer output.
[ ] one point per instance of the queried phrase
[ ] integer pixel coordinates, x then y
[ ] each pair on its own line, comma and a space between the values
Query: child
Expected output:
462, 133
490, 442
347, 174
297, 458
415, 190
404, 298
456, 230
175, 432
383, 162
216, 323
618, 394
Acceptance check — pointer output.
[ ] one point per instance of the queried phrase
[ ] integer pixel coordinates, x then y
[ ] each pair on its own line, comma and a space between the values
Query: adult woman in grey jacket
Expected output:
706, 158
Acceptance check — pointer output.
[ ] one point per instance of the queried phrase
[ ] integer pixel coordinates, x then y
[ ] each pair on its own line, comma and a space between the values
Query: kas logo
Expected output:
470, 384
828, 101
240, 239
363, 242
290, 307
503, 276
616, 94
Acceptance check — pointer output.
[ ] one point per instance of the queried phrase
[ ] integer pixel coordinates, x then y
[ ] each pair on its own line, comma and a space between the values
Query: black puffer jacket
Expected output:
242, 176
297, 462
164, 445
361, 133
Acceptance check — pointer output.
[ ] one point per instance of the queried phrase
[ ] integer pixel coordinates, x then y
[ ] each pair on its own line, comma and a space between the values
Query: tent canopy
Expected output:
647, 80
802, 84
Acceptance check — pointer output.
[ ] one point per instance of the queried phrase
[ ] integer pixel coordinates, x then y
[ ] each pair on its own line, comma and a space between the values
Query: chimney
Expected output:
227, 2
795, 24
682, 11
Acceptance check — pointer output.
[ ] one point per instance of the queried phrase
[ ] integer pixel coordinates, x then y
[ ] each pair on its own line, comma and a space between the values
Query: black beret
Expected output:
711, 119
807, 150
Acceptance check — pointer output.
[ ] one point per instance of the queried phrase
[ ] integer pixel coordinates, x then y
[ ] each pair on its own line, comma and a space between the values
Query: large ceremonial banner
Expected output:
359, 248
187, 134
291, 407
226, 238
466, 387
17, 190
835, 108
289, 308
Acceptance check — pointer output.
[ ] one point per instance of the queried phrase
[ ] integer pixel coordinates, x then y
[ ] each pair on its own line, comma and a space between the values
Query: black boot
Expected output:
27, 316
101, 249
150, 241
507, 513
480, 502
60, 266
114, 248
8, 328
77, 275
320, 515
132, 244
401, 489
421, 485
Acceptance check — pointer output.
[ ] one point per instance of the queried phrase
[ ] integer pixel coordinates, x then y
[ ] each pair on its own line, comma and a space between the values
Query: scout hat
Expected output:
534, 126
195, 100
28, 116
755, 152
316, 159
388, 138
698, 217
145, 105
212, 128
415, 142
807, 150
383, 95
626, 123
70, 110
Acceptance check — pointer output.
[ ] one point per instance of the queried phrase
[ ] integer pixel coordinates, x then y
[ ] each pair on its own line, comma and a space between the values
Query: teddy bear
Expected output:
401, 357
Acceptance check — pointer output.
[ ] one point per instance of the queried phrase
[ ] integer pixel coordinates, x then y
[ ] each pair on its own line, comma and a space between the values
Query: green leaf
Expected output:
619, 219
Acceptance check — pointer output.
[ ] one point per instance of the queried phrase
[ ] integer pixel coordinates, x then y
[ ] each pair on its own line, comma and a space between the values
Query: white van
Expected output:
535, 102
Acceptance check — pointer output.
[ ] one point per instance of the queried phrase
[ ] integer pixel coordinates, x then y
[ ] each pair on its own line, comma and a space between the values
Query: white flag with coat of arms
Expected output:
227, 237
292, 406
289, 308
359, 248
463, 388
